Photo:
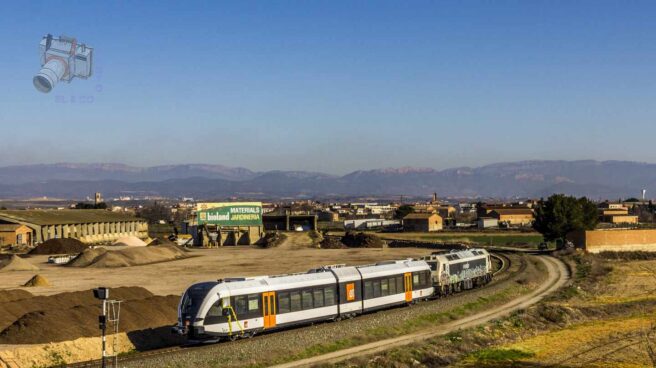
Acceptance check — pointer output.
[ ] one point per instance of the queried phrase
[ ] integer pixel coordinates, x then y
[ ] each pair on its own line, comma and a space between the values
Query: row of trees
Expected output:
560, 214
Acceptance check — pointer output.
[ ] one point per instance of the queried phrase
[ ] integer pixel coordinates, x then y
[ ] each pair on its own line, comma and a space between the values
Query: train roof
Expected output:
454, 256
393, 267
264, 283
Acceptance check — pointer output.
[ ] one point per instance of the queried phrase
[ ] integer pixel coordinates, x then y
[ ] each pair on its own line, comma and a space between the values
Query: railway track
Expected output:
558, 276
501, 275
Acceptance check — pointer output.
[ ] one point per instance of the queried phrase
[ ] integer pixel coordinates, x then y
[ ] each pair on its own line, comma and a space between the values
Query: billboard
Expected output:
230, 213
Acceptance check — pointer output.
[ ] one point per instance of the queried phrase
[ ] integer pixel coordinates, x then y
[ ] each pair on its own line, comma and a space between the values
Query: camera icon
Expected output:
62, 59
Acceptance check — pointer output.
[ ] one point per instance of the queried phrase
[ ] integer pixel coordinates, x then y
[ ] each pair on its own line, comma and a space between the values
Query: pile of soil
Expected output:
37, 280
69, 316
16, 263
362, 240
160, 241
130, 241
331, 242
13, 295
271, 239
59, 246
103, 258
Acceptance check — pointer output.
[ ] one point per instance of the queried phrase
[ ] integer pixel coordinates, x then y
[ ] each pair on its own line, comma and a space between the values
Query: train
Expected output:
232, 308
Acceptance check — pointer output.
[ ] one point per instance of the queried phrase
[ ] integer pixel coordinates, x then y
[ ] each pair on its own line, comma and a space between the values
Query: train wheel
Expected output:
233, 337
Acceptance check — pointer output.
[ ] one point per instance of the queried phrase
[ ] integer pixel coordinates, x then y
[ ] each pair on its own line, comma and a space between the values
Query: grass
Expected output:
410, 325
491, 239
500, 355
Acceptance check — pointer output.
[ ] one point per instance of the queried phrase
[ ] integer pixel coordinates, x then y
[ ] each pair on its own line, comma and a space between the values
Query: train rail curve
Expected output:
558, 275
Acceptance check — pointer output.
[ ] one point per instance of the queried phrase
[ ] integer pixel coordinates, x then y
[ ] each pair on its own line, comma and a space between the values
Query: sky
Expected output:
333, 86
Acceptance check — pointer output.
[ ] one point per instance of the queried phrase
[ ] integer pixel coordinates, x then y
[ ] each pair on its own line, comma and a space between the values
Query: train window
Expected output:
422, 278
295, 301
415, 279
216, 310
283, 303
254, 303
376, 287
306, 297
241, 305
384, 287
329, 293
392, 286
399, 284
318, 298
368, 290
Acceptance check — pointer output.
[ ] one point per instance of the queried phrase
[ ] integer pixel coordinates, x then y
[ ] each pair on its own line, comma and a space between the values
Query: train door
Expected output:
269, 309
407, 281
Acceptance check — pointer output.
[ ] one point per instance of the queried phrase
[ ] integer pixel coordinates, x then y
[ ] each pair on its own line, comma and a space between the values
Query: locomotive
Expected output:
234, 308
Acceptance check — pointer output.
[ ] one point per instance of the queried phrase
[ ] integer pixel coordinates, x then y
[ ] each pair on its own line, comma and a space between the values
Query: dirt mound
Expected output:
10, 311
60, 246
331, 242
160, 241
130, 241
362, 240
103, 258
14, 295
37, 280
16, 263
271, 239
69, 316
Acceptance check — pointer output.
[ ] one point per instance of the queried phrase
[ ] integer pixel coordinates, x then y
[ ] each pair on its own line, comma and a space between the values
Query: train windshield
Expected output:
194, 297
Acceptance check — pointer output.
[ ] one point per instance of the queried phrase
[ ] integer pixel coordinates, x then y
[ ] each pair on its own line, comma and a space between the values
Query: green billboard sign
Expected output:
232, 215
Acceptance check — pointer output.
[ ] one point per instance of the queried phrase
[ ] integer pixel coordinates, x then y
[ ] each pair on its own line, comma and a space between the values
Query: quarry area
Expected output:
585, 302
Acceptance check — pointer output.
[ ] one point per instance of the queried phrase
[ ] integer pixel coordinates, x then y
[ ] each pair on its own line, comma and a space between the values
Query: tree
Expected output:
560, 214
91, 206
403, 211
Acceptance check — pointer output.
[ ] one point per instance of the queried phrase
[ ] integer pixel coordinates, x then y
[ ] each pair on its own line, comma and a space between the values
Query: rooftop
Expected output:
62, 217
420, 216
513, 211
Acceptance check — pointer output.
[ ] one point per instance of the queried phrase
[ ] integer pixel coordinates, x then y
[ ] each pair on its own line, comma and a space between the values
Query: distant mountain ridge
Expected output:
595, 179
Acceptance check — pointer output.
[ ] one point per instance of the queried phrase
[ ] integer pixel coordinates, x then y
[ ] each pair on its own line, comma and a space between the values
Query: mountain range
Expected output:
524, 179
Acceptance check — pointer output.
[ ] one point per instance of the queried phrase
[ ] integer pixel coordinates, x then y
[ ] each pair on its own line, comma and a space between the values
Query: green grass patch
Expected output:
500, 355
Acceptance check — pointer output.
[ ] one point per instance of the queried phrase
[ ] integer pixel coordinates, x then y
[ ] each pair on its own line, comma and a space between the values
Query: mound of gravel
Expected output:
59, 246
68, 316
331, 242
130, 241
14, 295
160, 241
37, 280
16, 263
271, 239
362, 240
103, 258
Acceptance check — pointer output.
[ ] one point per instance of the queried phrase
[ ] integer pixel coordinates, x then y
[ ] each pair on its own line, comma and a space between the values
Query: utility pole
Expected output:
102, 293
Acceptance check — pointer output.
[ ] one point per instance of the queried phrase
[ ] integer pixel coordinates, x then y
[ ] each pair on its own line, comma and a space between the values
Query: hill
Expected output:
595, 179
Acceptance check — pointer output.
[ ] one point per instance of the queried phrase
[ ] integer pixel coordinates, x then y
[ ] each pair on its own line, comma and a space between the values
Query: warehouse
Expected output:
226, 223
512, 216
15, 234
89, 226
422, 222
617, 240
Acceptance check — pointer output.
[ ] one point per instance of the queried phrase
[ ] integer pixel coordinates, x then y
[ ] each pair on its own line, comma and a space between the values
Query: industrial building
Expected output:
617, 240
616, 214
15, 234
289, 222
422, 222
228, 223
89, 226
512, 216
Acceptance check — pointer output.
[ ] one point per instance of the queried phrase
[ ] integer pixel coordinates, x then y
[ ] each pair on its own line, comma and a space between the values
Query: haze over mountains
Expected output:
595, 179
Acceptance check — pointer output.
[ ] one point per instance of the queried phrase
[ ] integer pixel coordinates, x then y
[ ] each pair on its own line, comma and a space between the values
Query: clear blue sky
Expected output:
334, 86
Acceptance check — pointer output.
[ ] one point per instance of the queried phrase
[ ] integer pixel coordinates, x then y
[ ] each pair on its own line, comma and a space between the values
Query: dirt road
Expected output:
558, 276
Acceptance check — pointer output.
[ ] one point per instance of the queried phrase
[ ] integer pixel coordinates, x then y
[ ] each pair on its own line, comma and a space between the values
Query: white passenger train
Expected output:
242, 307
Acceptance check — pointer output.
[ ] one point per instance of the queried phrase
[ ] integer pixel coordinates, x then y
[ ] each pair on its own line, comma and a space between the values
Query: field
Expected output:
490, 239
606, 318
